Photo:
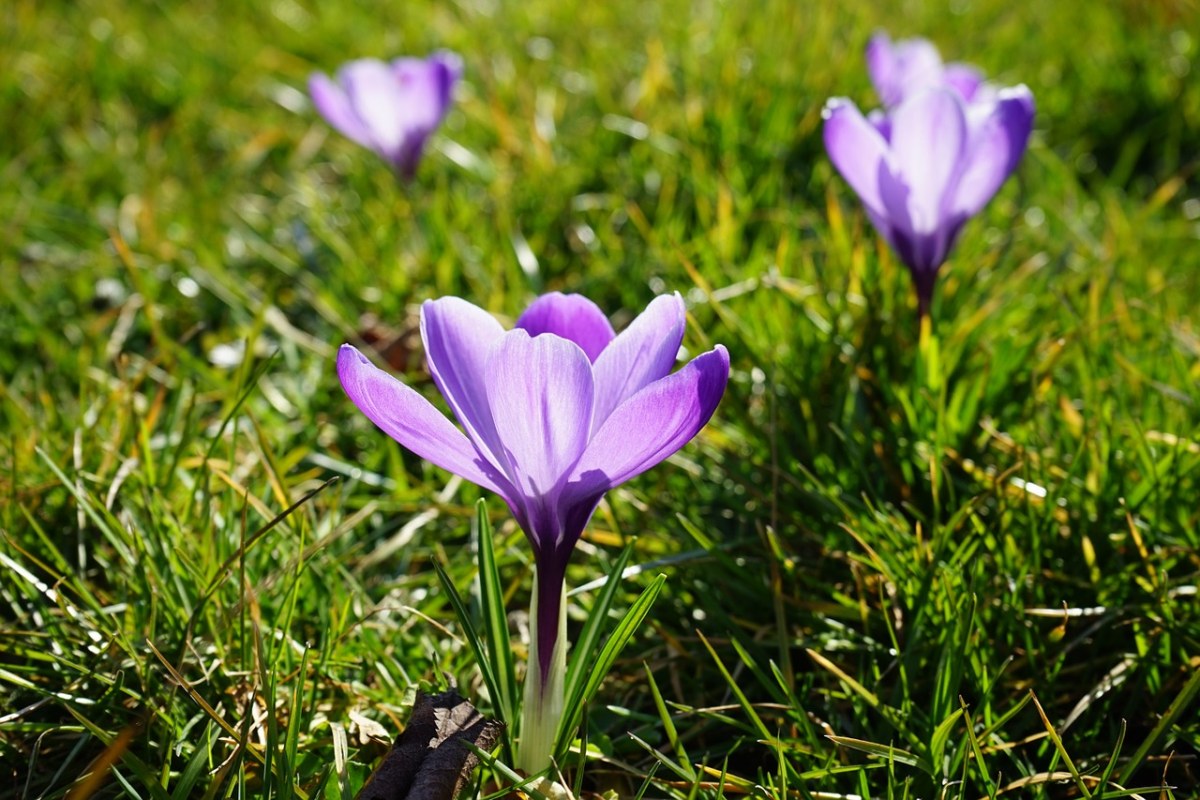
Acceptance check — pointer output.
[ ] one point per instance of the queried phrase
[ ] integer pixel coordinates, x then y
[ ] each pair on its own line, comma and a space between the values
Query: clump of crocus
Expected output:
554, 413
934, 158
392, 108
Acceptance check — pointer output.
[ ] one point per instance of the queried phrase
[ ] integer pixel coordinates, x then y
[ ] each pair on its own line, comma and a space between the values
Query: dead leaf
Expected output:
430, 760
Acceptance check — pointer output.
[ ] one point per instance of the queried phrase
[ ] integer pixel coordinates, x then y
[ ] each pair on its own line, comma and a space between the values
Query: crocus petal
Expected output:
540, 391
333, 104
571, 316
881, 63
651, 425
964, 79
450, 71
411, 420
998, 140
458, 337
641, 354
857, 149
375, 95
929, 135
901, 68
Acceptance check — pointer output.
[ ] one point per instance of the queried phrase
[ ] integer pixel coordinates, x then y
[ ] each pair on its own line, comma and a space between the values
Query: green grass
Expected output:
881, 580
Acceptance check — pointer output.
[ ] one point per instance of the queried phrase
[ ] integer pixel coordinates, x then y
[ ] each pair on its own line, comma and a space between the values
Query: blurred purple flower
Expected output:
927, 167
390, 108
556, 412
901, 69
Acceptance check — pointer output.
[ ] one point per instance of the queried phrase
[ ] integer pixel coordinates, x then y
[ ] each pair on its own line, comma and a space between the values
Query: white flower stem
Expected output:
543, 707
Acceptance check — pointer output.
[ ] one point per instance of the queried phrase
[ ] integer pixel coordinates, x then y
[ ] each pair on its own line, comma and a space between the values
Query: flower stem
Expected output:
545, 677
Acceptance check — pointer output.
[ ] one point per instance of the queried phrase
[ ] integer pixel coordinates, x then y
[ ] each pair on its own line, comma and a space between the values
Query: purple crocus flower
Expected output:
901, 69
554, 413
390, 108
928, 166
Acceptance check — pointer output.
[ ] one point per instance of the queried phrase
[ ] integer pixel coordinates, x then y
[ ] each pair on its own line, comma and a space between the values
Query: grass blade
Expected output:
495, 620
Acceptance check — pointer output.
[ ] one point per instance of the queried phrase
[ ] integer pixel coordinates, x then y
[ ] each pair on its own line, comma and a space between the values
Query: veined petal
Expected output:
999, 133
929, 137
650, 426
541, 393
857, 149
458, 337
411, 420
332, 103
640, 355
571, 316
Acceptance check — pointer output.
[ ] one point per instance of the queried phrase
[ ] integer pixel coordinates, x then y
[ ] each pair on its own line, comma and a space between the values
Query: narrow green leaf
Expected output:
495, 620
196, 765
1181, 701
977, 751
684, 771
472, 637
941, 734
1062, 750
583, 653
886, 751
668, 724
603, 662
746, 705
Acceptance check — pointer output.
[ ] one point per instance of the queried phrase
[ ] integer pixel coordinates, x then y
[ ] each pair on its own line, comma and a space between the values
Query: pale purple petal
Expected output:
458, 337
964, 79
375, 95
898, 69
424, 89
640, 355
929, 136
881, 62
540, 391
998, 140
651, 425
334, 105
411, 420
857, 149
571, 316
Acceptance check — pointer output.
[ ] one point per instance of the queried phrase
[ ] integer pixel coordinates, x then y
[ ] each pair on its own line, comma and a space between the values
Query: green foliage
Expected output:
877, 556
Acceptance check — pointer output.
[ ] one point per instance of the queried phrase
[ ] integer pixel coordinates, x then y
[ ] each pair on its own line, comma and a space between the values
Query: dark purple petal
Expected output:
571, 316
449, 69
423, 89
857, 149
540, 391
332, 103
640, 355
458, 337
999, 133
650, 426
411, 420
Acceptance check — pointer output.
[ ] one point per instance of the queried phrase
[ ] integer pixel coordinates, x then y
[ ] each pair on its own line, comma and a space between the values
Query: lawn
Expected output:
963, 565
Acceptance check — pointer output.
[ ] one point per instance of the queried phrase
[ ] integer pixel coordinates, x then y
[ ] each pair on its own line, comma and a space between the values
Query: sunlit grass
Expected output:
882, 579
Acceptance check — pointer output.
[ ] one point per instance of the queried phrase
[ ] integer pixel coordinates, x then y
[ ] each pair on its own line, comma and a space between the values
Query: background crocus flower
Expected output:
929, 166
390, 108
901, 69
554, 413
